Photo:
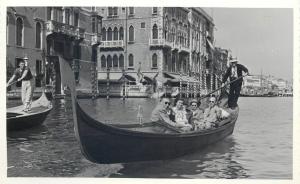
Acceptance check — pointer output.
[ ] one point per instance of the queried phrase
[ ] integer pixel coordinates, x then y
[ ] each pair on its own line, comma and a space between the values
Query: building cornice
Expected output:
203, 13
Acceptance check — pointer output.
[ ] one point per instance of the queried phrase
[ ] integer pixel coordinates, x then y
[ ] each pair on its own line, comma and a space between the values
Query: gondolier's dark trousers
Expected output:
234, 93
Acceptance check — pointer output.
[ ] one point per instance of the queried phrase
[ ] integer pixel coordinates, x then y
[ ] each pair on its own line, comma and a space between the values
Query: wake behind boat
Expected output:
104, 143
18, 119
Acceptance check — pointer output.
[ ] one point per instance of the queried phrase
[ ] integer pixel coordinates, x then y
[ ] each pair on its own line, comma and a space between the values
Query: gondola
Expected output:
16, 119
107, 143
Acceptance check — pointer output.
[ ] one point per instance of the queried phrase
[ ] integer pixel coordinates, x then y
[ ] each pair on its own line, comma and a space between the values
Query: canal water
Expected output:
260, 147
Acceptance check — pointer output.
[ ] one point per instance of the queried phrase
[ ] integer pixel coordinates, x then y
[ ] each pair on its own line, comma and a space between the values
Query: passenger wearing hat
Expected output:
234, 72
197, 115
23, 73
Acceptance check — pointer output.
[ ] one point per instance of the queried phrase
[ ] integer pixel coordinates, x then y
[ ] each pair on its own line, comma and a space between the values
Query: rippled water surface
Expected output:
260, 147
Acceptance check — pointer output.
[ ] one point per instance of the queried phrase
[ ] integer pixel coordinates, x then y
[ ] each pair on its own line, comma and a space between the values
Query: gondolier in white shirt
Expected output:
234, 73
24, 74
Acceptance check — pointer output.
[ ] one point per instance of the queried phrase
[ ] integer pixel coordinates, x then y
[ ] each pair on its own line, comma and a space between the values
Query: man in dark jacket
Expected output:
235, 71
24, 74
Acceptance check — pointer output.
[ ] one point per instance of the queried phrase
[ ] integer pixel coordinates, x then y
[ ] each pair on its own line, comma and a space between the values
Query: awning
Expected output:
150, 76
129, 77
210, 44
176, 77
184, 78
168, 75
147, 77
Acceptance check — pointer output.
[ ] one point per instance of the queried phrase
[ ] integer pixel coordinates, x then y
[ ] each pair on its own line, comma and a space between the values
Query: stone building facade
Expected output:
176, 42
45, 34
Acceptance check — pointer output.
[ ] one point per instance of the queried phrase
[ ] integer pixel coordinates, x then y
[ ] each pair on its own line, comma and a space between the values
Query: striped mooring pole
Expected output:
188, 88
94, 80
195, 89
123, 85
107, 84
180, 85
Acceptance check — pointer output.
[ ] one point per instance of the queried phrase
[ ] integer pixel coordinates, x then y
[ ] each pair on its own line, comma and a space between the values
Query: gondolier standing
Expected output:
24, 74
234, 72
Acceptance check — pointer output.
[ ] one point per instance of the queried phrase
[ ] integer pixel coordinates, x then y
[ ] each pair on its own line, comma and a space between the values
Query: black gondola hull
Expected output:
16, 119
102, 143
20, 123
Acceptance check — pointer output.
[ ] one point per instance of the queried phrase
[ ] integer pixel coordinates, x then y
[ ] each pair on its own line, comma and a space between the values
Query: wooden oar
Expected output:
226, 84
12, 83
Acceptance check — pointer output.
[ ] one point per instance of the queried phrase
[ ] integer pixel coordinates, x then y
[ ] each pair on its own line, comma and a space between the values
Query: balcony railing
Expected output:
172, 45
160, 42
156, 42
112, 44
58, 27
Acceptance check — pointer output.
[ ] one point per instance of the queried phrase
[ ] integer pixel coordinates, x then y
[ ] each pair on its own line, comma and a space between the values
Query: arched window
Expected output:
184, 66
103, 62
173, 34
131, 34
109, 61
154, 32
130, 61
103, 34
115, 61
115, 33
38, 35
115, 11
121, 61
19, 32
110, 11
131, 10
67, 16
173, 63
109, 34
154, 61
121, 32
94, 25
154, 10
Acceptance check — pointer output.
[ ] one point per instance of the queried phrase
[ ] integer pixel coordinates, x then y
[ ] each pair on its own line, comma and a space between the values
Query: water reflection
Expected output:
215, 161
252, 151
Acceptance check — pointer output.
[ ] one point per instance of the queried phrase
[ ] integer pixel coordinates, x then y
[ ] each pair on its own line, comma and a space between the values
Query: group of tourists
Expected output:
189, 117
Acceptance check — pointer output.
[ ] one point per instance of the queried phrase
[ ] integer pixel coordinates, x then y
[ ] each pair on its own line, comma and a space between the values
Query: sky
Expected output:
261, 39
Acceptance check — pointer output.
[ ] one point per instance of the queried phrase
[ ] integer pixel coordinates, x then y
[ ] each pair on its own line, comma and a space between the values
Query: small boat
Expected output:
18, 119
123, 143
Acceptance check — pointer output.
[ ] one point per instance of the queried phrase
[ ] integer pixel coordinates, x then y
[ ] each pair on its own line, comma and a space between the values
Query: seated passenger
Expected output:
212, 113
181, 116
162, 113
197, 115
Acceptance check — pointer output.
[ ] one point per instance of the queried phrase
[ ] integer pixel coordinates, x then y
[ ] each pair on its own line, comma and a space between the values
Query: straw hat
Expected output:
25, 58
233, 61
194, 101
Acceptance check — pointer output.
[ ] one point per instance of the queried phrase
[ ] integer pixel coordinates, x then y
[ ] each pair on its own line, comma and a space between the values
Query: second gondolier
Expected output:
24, 74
